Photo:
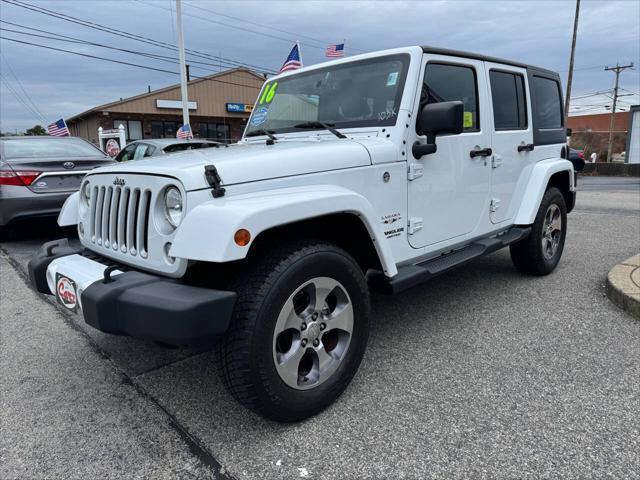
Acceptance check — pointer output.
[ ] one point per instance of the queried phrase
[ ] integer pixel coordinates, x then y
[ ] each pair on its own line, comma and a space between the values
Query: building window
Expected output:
160, 129
214, 131
132, 128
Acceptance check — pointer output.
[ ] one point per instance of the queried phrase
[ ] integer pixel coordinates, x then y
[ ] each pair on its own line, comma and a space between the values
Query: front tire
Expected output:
540, 252
299, 331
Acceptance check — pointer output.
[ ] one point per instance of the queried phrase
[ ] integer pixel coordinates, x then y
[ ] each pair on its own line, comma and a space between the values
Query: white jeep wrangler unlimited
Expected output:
378, 171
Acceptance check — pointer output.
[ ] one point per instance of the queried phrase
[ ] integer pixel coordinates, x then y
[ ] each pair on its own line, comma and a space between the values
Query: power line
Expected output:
19, 98
246, 30
65, 38
24, 91
298, 35
122, 62
121, 33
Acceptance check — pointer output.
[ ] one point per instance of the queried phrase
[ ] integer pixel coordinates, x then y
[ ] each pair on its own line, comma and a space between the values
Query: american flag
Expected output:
336, 50
293, 61
184, 132
58, 129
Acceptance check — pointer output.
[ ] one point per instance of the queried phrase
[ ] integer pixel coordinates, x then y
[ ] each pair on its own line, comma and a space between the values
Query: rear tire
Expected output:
299, 331
540, 252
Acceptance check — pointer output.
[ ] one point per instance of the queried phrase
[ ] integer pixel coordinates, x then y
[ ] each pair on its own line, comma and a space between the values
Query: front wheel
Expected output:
299, 331
540, 252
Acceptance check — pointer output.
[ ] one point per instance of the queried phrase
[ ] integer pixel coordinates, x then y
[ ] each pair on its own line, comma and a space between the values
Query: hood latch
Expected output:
214, 180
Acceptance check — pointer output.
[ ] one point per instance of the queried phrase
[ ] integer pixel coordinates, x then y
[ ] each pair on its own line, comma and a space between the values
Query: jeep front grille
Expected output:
120, 219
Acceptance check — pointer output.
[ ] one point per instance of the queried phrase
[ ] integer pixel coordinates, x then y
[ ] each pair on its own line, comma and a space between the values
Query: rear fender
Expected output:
538, 181
207, 232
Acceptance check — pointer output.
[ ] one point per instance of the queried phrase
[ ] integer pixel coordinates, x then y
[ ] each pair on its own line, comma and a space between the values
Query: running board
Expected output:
412, 275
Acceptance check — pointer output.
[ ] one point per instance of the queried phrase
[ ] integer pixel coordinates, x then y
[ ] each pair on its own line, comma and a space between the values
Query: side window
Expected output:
548, 108
445, 83
127, 153
140, 151
509, 103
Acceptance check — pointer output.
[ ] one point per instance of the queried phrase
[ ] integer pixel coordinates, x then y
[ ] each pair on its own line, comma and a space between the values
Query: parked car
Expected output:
577, 158
373, 172
38, 173
161, 146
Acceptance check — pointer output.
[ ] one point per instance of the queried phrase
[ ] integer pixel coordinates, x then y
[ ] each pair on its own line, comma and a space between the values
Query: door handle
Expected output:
480, 152
525, 147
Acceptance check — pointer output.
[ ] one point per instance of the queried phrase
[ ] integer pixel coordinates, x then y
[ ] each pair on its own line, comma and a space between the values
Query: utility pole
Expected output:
567, 100
183, 70
617, 69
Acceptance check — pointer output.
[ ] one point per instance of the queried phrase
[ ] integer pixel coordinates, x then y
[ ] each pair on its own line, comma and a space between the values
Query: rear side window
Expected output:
509, 103
446, 83
548, 111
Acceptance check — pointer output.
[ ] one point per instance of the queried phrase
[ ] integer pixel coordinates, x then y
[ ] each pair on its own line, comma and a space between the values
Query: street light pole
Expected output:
183, 69
567, 100
617, 69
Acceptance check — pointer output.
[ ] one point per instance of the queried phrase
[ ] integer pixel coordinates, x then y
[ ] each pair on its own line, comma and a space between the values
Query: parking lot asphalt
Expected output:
481, 373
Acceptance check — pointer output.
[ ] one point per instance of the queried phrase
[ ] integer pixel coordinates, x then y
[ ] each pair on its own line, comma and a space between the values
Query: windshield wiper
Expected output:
326, 126
257, 133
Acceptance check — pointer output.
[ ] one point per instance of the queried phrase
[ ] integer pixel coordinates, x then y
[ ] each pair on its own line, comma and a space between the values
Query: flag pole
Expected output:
299, 53
183, 70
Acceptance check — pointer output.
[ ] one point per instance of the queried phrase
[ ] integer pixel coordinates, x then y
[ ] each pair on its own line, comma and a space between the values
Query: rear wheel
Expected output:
540, 252
299, 331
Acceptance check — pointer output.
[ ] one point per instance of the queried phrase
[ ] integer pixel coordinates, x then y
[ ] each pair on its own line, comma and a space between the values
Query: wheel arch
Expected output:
553, 172
330, 213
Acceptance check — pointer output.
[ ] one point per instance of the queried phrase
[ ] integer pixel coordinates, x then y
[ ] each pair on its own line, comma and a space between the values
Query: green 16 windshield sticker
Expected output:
260, 114
268, 93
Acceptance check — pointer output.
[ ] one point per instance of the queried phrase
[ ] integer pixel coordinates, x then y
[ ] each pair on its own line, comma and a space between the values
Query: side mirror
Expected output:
437, 119
569, 132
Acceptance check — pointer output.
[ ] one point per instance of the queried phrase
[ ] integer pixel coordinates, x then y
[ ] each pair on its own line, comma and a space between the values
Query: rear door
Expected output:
511, 138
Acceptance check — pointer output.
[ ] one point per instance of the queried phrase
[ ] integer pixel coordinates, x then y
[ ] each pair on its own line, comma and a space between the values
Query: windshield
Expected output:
365, 93
53, 147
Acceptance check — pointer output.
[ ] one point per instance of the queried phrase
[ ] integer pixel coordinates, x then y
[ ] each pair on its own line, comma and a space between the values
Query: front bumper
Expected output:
131, 302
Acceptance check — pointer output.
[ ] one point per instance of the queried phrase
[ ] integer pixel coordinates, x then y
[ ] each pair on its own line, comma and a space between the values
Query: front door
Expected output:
512, 138
448, 195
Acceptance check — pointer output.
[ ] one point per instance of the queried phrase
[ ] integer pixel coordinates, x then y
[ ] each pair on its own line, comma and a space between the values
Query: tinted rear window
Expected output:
68, 147
548, 111
509, 105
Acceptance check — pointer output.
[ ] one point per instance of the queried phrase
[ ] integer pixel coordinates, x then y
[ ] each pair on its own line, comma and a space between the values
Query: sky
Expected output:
56, 84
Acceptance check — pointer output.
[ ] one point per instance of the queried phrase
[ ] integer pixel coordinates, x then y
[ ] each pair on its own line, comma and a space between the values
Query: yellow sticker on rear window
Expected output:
467, 122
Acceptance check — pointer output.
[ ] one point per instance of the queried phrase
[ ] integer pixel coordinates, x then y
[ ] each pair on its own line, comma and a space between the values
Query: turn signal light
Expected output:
242, 237
20, 178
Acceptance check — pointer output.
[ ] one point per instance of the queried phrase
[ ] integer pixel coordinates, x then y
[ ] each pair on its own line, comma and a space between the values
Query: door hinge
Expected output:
415, 224
494, 205
415, 170
496, 161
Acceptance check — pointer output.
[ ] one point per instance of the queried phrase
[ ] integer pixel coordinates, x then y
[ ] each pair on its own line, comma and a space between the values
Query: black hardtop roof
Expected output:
486, 58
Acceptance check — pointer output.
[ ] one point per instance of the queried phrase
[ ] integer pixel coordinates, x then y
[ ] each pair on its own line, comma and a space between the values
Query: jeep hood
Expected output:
250, 162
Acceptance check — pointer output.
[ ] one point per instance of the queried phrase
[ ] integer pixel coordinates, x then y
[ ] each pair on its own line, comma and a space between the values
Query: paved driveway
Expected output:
480, 373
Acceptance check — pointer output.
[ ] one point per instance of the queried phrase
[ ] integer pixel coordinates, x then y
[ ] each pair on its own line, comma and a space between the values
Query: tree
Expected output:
36, 130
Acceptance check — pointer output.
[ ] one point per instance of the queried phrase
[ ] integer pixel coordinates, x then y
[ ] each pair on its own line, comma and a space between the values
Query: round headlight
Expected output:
173, 206
86, 192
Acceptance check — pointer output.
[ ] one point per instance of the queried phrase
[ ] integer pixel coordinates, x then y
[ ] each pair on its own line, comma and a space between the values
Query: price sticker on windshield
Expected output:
268, 93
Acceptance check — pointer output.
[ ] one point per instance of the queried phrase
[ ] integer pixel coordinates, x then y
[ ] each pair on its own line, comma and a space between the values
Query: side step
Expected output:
412, 275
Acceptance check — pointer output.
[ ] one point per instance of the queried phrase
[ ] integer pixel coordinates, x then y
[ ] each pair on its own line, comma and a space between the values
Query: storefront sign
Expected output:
175, 104
239, 108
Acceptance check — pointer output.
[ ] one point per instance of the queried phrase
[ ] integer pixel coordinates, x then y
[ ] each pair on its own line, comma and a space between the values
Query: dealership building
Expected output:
219, 107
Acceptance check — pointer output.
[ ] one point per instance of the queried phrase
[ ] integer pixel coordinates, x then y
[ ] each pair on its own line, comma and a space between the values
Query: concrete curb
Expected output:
623, 285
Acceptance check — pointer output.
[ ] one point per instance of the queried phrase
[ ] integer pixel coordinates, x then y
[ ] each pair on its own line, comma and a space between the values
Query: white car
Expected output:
374, 172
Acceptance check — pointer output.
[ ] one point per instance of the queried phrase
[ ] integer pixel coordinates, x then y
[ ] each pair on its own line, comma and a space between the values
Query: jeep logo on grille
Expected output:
119, 181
